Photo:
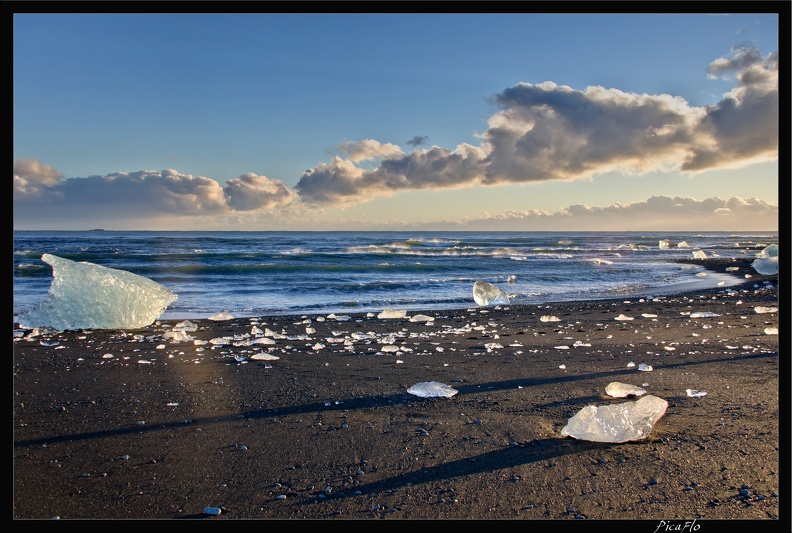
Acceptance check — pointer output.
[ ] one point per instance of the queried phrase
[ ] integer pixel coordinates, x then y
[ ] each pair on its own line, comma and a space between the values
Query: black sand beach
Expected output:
131, 425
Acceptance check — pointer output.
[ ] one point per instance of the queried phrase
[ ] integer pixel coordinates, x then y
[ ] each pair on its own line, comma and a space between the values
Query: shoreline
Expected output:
713, 265
137, 425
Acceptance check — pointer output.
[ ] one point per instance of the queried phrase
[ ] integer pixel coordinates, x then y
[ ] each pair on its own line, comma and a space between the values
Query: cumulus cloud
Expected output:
369, 149
657, 213
250, 191
38, 188
547, 131
33, 179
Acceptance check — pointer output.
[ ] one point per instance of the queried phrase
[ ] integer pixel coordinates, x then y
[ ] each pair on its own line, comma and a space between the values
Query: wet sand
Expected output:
131, 424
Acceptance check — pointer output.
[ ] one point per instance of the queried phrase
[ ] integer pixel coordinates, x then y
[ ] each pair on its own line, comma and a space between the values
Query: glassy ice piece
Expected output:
88, 296
699, 254
693, 393
769, 251
622, 390
221, 316
432, 389
664, 243
488, 294
392, 313
421, 318
643, 367
618, 422
767, 262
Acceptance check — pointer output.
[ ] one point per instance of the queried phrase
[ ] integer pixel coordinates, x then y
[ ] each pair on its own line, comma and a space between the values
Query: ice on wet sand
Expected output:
485, 293
767, 262
617, 422
432, 389
622, 390
83, 295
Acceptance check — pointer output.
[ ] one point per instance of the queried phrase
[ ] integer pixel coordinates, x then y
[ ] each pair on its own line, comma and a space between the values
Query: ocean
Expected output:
261, 273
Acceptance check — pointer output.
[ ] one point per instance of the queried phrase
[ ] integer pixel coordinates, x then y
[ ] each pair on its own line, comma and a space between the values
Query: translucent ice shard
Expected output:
432, 389
664, 243
622, 390
392, 313
87, 296
618, 422
221, 316
767, 262
488, 294
699, 254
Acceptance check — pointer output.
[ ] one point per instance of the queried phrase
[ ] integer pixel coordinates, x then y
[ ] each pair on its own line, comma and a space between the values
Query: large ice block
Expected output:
767, 262
617, 422
83, 295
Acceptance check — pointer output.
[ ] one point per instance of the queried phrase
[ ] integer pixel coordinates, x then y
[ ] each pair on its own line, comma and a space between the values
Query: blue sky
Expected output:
277, 121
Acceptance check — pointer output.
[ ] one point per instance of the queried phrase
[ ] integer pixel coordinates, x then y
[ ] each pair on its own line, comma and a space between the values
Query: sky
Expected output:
398, 121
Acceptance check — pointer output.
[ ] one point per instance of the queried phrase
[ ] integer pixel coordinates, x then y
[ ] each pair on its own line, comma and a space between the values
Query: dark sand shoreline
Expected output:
163, 430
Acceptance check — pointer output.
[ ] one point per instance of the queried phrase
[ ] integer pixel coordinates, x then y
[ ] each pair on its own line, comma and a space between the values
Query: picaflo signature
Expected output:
677, 527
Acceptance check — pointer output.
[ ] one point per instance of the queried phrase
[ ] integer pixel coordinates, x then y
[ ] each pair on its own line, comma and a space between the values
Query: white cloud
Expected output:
250, 191
551, 132
33, 179
368, 149
39, 192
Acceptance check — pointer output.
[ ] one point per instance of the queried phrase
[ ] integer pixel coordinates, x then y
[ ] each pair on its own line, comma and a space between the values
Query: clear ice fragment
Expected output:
221, 316
83, 295
432, 389
617, 422
485, 293
767, 262
622, 390
392, 313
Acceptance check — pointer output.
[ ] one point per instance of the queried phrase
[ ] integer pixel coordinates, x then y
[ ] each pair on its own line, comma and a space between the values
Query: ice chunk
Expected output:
693, 393
760, 309
623, 317
422, 318
221, 316
488, 294
88, 296
699, 254
703, 314
664, 243
618, 422
767, 262
392, 313
432, 389
683, 244
264, 357
622, 390
549, 318
643, 367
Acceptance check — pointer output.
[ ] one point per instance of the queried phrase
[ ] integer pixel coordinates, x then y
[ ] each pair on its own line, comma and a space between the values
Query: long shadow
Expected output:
533, 452
368, 402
